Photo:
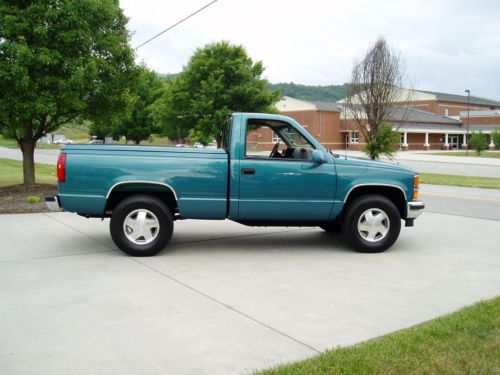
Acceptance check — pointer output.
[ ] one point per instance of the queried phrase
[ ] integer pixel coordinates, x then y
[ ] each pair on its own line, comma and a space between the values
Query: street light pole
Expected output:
468, 116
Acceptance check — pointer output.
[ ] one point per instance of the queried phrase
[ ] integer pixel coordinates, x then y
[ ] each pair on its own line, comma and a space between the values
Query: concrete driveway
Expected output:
222, 298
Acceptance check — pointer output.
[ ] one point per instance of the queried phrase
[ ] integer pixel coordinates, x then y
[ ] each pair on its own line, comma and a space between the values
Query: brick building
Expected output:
321, 119
429, 120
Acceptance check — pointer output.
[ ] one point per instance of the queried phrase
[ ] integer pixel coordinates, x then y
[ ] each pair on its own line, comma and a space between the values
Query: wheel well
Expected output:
122, 192
394, 194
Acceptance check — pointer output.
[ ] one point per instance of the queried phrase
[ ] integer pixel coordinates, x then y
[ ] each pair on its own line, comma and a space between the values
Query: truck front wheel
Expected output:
371, 224
141, 225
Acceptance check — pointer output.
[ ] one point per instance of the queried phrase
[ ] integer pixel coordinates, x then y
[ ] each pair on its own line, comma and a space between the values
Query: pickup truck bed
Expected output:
199, 176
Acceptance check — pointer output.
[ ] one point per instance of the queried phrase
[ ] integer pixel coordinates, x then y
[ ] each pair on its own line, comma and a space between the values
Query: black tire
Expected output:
362, 213
160, 225
332, 227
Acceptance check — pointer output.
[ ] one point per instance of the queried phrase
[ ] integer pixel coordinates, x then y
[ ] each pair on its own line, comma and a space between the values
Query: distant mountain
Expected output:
330, 93
167, 76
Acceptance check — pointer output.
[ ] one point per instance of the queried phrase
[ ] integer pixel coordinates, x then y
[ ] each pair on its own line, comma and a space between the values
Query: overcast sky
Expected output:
448, 46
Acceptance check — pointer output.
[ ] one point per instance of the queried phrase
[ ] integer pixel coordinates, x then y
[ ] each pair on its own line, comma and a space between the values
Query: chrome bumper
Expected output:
414, 209
52, 203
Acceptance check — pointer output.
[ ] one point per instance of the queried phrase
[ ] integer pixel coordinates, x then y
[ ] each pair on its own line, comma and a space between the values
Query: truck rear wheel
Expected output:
371, 224
141, 225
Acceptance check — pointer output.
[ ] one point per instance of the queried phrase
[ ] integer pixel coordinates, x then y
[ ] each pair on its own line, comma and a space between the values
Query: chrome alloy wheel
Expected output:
141, 227
373, 225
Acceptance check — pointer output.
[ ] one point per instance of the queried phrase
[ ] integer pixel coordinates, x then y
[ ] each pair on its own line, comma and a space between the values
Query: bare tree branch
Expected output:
376, 87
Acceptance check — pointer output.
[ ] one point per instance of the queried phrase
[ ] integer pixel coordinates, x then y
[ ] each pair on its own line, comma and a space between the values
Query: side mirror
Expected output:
318, 157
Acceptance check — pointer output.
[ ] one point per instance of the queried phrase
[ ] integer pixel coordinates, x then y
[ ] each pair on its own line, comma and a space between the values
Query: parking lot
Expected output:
222, 298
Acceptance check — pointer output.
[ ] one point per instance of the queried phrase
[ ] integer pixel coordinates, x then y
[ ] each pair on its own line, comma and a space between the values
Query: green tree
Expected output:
139, 125
218, 80
165, 112
382, 143
478, 142
59, 60
496, 138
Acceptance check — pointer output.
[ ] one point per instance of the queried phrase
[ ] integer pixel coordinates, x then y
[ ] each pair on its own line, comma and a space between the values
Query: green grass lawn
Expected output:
7, 142
462, 181
465, 342
11, 173
472, 153
77, 133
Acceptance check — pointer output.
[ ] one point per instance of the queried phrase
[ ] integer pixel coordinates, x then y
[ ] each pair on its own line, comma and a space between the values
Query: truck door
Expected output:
278, 178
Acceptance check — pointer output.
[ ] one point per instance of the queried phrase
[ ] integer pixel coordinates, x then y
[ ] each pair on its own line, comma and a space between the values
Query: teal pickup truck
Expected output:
296, 182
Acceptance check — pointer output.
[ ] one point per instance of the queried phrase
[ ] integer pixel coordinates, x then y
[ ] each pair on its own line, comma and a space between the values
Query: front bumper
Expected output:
52, 203
414, 209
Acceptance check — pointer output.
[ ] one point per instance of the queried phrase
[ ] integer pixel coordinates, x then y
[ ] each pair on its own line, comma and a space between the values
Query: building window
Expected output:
275, 137
446, 111
354, 137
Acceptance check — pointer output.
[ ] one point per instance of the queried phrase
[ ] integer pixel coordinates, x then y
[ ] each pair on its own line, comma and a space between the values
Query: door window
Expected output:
267, 139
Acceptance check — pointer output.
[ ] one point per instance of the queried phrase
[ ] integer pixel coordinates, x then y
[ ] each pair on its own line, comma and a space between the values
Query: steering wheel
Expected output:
274, 151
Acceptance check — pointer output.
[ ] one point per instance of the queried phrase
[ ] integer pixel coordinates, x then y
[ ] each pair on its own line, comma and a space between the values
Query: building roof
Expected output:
408, 115
289, 104
417, 115
402, 95
407, 95
327, 106
461, 98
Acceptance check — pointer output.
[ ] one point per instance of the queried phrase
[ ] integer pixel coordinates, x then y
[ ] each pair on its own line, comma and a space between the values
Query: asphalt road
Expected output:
468, 202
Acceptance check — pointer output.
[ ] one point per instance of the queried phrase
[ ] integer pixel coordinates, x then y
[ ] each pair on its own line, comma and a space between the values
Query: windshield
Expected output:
293, 138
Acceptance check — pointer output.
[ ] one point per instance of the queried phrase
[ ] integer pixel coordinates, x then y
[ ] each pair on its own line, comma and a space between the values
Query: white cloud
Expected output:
448, 45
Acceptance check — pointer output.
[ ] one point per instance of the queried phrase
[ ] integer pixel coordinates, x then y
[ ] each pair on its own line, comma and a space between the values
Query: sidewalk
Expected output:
41, 156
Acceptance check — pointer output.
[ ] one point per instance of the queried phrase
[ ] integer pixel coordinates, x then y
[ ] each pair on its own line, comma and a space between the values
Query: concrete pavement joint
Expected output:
227, 306
53, 256
240, 236
199, 291
78, 231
